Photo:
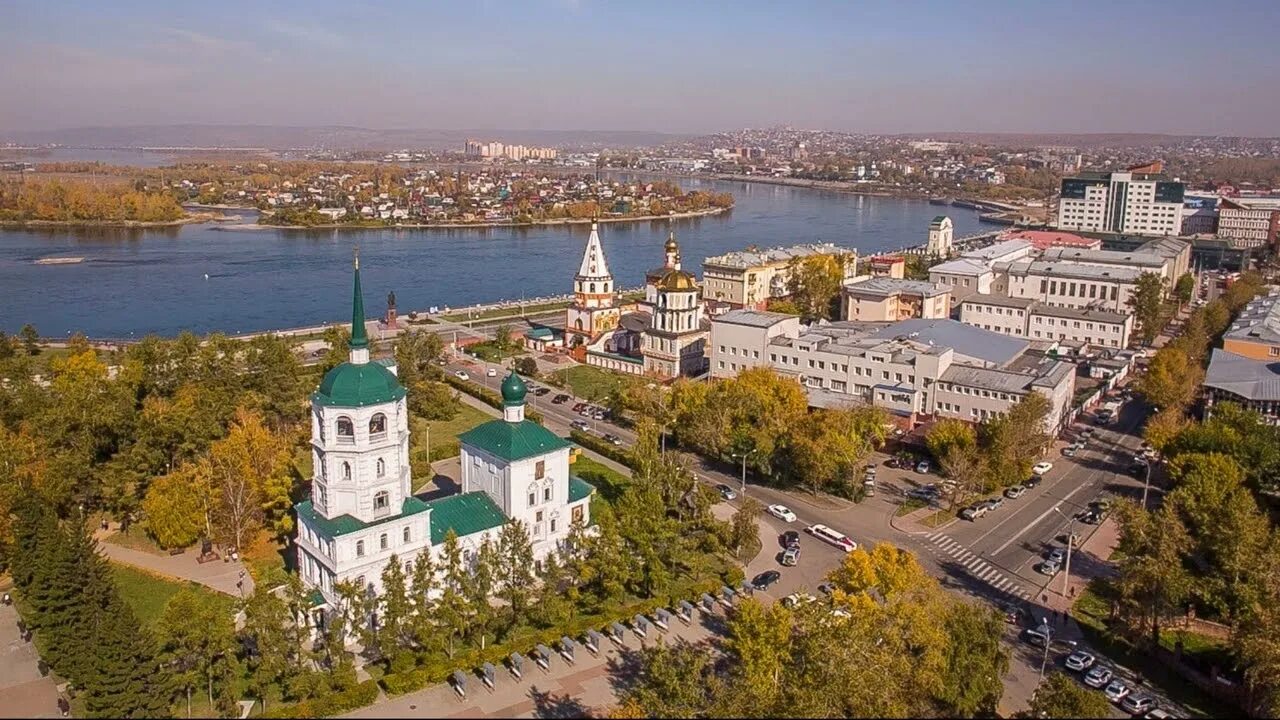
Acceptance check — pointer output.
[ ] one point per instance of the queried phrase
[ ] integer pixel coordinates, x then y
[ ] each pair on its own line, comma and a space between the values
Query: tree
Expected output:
1255, 636
976, 661
394, 606
527, 366
947, 434
7, 349
1146, 301
1013, 441
177, 506
745, 526
422, 585
1061, 697
675, 681
125, 679
502, 340
477, 589
197, 640
750, 413
813, 285
451, 612
1172, 379
827, 447
30, 338
1152, 579
759, 642
431, 400
248, 474
514, 569
1184, 288
416, 353
1164, 427
338, 338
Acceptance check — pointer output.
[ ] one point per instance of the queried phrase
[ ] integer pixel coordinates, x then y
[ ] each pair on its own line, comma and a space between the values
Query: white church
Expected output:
362, 510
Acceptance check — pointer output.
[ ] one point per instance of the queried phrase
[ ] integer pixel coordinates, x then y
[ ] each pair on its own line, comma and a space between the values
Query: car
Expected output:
789, 538
994, 503
765, 579
797, 599
1159, 714
560, 399
1102, 504
1098, 676
1116, 691
1138, 469
1015, 492
1073, 539
1090, 517
1080, 661
973, 512
599, 414
586, 411
1138, 704
542, 391
1013, 613
462, 375
1031, 482
1048, 567
832, 537
579, 425
922, 467
826, 588
1057, 555
491, 372
1087, 433
1070, 450
1042, 467
925, 494
791, 556
577, 407
610, 437
1103, 417
726, 492
782, 512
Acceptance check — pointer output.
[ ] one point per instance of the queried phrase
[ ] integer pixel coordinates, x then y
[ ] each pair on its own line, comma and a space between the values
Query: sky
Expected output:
899, 66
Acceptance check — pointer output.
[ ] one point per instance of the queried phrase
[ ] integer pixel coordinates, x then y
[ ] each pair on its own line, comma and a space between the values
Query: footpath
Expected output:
222, 576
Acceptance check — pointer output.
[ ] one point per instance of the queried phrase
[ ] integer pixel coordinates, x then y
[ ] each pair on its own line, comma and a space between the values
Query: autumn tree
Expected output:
813, 284
1146, 303
249, 481
197, 640
1060, 696
1172, 379
177, 506
1152, 579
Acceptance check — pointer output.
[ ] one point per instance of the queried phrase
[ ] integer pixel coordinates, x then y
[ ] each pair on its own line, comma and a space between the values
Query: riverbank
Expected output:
481, 225
189, 219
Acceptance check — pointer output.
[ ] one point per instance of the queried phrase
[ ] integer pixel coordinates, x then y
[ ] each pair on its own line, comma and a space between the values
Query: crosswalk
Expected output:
977, 567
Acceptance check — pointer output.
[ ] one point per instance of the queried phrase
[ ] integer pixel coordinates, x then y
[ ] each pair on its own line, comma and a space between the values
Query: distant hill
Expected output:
278, 137
1080, 140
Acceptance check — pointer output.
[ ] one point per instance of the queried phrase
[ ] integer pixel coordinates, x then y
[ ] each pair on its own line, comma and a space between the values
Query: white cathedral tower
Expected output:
594, 310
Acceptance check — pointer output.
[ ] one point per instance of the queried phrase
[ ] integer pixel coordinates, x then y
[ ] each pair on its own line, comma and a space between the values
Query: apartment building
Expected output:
882, 299
1249, 223
974, 273
915, 368
750, 278
1145, 261
1134, 202
1027, 318
1070, 284
890, 266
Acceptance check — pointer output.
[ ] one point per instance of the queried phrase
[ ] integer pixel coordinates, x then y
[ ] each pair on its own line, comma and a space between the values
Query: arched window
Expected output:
577, 324
593, 288
382, 541
346, 471
346, 430
360, 550
382, 467
381, 501
377, 424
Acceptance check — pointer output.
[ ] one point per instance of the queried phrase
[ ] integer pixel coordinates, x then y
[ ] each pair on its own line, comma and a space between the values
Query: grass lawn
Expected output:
909, 506
443, 438
938, 519
586, 381
607, 481
147, 594
136, 539
489, 351
509, 311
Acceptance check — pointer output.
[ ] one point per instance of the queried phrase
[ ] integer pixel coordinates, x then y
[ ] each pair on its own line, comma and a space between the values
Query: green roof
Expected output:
579, 489
465, 514
939, 218
359, 337
513, 390
513, 441
349, 385
345, 524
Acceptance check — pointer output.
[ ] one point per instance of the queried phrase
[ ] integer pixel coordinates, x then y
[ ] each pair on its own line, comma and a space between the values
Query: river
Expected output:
134, 282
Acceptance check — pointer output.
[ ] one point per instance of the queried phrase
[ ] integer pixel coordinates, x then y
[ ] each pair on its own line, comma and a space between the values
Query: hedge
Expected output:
602, 447
487, 396
365, 693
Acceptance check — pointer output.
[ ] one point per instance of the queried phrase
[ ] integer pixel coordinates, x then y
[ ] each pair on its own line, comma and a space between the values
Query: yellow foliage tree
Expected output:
177, 506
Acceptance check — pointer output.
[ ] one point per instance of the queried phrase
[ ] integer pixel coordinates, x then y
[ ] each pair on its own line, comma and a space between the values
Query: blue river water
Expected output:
135, 282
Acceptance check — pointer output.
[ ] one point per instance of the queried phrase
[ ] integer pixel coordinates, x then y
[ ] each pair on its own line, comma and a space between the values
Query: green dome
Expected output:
350, 385
513, 390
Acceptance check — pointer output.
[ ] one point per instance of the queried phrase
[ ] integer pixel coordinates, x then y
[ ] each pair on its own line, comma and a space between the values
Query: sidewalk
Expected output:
23, 693
217, 575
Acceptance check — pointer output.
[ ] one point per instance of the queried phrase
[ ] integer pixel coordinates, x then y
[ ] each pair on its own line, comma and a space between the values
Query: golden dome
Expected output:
676, 280
671, 245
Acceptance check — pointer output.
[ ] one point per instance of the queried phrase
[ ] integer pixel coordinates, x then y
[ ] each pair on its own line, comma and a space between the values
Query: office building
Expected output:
1027, 318
750, 278
882, 299
1249, 223
1141, 201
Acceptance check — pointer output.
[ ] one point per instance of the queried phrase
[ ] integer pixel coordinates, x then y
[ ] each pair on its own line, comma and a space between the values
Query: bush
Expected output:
597, 445
366, 693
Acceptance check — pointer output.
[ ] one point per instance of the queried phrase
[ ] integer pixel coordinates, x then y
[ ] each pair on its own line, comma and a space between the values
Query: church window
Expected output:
360, 553
533, 499
382, 467
546, 495
577, 324
406, 533
346, 471
381, 501
346, 429
593, 287
383, 542
377, 424
538, 518
540, 470
553, 524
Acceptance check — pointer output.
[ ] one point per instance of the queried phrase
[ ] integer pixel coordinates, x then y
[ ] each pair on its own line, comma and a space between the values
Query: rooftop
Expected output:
962, 266
884, 287
1256, 380
358, 385
987, 378
1105, 257
465, 514
1075, 270
346, 524
1045, 239
513, 440
967, 340
999, 300
999, 250
1259, 321
743, 259
1094, 314
753, 318
1252, 203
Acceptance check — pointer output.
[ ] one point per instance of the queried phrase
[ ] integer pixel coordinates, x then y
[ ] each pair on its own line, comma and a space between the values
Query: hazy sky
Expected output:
692, 66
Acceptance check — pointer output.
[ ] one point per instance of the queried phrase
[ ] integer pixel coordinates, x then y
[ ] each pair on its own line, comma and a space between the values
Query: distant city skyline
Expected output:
916, 66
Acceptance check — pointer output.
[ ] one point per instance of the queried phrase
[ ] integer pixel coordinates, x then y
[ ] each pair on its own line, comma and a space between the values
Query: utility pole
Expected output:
1146, 485
1066, 570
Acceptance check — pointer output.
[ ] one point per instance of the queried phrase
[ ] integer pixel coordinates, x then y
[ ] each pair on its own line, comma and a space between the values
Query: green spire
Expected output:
359, 339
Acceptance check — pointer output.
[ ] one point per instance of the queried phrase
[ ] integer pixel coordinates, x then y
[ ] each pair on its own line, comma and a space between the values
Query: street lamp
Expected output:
744, 457
1066, 570
1146, 485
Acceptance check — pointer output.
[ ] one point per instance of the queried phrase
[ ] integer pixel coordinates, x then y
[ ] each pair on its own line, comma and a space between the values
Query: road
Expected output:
990, 560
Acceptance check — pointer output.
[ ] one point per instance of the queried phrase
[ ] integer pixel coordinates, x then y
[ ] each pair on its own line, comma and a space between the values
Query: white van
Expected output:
831, 537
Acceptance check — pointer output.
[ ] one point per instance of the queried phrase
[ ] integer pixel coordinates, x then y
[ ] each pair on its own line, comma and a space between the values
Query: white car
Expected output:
1080, 661
832, 537
1048, 567
1098, 676
462, 375
782, 512
1057, 555
491, 372
1116, 691
1042, 467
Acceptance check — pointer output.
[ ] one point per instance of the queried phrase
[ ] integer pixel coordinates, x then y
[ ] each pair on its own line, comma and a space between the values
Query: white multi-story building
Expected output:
1070, 284
749, 279
1131, 203
941, 234
1027, 318
362, 512
883, 299
980, 271
914, 368
1249, 223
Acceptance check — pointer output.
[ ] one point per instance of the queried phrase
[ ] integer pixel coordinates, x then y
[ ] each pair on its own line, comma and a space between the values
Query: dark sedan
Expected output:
765, 579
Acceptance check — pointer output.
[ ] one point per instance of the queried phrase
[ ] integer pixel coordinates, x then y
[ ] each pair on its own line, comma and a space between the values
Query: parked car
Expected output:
922, 467
1090, 517
462, 375
726, 492
1073, 539
791, 556
579, 425
826, 588
1031, 482
789, 538
610, 437
1048, 567
560, 399
1097, 677
1070, 450
1102, 504
832, 537
1116, 691
1138, 704
1087, 433
973, 512
577, 407
1042, 467
782, 512
599, 414
923, 493
765, 579
542, 391
1158, 714
1057, 555
491, 372
1015, 492
994, 503
1080, 661
797, 599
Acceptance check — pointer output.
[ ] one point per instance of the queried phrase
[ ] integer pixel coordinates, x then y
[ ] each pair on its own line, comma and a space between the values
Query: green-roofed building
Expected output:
362, 512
